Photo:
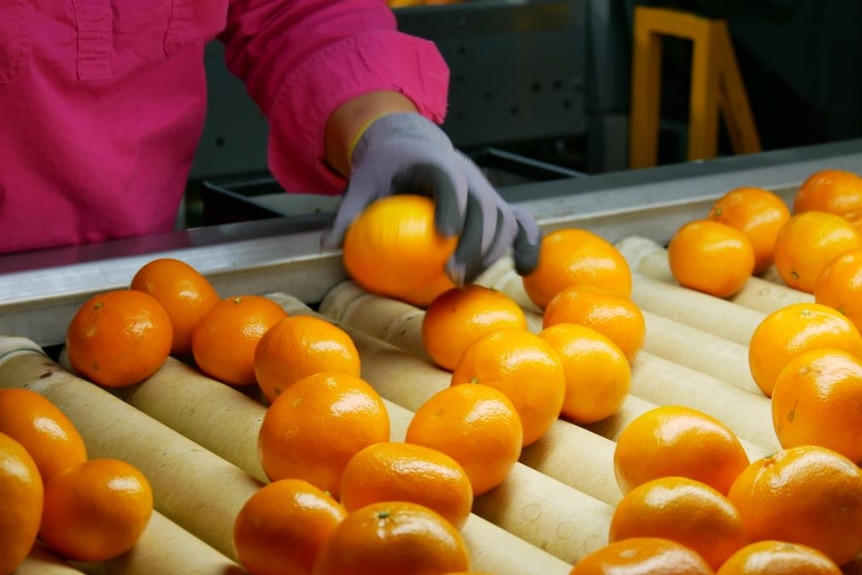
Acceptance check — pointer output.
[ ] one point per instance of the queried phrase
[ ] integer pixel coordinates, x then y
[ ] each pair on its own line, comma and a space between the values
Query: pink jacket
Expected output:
102, 101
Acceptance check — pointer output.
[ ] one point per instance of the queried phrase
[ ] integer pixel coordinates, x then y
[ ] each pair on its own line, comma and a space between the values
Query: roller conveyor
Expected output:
549, 513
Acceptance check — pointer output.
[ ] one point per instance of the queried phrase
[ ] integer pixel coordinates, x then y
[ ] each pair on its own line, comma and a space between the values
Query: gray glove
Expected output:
407, 153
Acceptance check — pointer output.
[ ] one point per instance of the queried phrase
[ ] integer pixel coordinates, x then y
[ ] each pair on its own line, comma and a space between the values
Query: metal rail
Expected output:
39, 291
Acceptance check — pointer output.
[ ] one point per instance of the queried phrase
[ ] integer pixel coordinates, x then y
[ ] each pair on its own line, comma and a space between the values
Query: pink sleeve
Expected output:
301, 59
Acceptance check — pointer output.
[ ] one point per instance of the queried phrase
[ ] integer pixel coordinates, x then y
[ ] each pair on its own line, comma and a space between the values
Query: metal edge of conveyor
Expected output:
40, 290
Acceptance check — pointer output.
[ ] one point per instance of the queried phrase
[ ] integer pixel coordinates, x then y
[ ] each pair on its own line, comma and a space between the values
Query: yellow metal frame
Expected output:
716, 86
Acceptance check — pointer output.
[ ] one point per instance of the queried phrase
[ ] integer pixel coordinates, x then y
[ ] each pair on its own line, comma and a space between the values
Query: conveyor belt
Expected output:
39, 291
557, 503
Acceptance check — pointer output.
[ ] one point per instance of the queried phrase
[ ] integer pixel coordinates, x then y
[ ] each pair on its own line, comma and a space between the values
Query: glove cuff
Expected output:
394, 126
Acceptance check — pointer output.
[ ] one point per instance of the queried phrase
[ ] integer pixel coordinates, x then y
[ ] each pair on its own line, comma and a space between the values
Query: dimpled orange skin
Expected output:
642, 556
839, 286
524, 367
711, 257
407, 472
771, 557
461, 315
393, 538
807, 494
316, 425
21, 500
281, 527
829, 190
572, 256
95, 511
677, 440
807, 242
816, 394
792, 330
119, 338
47, 434
684, 510
759, 214
393, 248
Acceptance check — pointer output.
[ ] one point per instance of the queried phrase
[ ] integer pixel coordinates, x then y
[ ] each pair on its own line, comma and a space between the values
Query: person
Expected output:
102, 104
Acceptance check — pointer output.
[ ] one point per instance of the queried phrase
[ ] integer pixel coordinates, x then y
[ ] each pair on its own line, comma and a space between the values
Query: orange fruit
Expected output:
95, 510
224, 340
617, 317
829, 190
756, 212
47, 434
399, 471
301, 345
597, 373
573, 256
816, 394
393, 248
523, 366
642, 556
675, 440
316, 425
280, 529
807, 242
839, 285
477, 426
770, 557
711, 257
459, 316
185, 293
683, 510
793, 329
21, 500
393, 538
809, 495
119, 337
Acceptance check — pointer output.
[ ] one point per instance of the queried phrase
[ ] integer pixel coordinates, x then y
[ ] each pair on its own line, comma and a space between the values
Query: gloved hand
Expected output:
407, 153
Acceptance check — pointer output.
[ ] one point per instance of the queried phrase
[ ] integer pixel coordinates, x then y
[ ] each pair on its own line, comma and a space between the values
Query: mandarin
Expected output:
597, 373
301, 345
316, 425
839, 285
523, 366
573, 256
461, 315
280, 529
224, 340
393, 538
807, 242
684, 510
393, 248
817, 393
48, 435
793, 329
119, 337
95, 510
676, 440
809, 495
771, 557
21, 502
617, 317
477, 426
711, 257
400, 471
756, 212
642, 556
829, 190
185, 293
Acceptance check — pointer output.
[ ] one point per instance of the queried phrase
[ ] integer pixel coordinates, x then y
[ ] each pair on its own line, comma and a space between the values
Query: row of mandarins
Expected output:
576, 367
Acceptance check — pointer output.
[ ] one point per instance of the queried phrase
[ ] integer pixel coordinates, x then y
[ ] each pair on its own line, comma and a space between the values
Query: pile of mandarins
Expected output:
343, 497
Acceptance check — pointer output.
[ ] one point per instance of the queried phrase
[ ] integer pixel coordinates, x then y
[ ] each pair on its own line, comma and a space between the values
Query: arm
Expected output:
302, 59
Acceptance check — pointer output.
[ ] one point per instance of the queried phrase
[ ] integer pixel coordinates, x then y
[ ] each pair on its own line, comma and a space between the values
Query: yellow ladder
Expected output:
716, 87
